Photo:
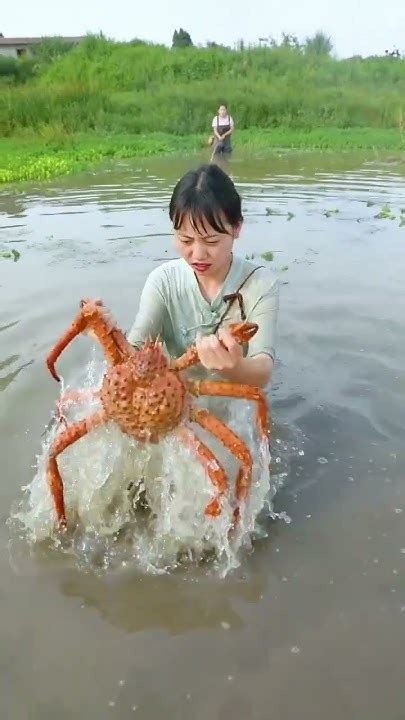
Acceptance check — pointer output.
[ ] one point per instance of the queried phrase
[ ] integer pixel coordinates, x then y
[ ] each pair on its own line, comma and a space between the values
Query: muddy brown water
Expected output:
312, 624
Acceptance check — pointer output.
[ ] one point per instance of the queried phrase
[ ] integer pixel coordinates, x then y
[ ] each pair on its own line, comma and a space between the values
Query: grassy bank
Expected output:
113, 87
65, 111
40, 159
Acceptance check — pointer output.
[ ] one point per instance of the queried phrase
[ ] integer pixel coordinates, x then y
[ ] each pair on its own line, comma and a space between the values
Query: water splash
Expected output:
129, 502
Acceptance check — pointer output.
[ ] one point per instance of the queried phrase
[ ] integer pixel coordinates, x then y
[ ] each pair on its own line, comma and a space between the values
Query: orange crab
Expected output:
148, 397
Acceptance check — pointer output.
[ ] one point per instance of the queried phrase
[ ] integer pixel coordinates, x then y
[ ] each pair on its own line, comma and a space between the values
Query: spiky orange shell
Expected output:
143, 396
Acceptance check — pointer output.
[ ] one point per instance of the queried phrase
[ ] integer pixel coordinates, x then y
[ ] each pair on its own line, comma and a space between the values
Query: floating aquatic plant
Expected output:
10, 254
267, 256
385, 213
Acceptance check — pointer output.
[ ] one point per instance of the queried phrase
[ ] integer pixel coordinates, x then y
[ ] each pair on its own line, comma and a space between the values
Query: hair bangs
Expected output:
202, 213
207, 198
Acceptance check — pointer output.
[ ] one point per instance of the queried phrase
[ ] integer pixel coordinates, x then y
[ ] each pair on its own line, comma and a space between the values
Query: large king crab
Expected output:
148, 397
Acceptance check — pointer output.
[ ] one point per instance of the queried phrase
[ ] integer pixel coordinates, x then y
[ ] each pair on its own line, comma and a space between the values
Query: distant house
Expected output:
16, 47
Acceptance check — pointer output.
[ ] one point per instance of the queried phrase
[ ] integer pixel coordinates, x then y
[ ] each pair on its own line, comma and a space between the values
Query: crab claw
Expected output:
243, 331
51, 367
213, 509
77, 326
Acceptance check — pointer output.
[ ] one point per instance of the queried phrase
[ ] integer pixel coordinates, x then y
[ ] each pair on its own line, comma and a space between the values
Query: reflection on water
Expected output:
319, 604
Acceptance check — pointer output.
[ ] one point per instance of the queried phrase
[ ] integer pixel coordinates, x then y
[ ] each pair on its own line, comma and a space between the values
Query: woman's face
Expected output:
207, 251
223, 110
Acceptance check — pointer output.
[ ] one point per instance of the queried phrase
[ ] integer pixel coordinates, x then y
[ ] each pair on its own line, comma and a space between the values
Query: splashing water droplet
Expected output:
131, 503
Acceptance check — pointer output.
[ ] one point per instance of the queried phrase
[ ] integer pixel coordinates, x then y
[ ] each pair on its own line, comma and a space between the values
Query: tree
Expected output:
181, 38
216, 46
319, 44
289, 40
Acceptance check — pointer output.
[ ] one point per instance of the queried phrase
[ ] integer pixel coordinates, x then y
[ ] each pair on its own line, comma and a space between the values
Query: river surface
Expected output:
312, 622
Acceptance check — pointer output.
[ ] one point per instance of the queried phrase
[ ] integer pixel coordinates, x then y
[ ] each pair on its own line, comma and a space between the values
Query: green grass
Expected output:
65, 111
40, 159
28, 158
139, 88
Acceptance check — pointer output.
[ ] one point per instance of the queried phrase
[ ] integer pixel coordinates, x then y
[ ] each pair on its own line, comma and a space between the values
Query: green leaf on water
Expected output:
10, 255
284, 268
250, 257
328, 213
270, 211
385, 213
370, 203
267, 256
290, 216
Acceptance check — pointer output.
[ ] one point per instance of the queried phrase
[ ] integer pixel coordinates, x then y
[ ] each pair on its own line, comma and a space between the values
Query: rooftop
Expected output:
34, 40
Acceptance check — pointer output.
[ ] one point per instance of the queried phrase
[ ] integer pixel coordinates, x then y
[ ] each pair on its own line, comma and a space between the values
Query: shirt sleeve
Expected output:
265, 314
152, 312
214, 122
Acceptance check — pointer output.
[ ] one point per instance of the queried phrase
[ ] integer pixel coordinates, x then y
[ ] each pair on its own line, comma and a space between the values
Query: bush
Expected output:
138, 87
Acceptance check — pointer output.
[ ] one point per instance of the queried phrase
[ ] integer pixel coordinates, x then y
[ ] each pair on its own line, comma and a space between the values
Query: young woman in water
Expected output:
192, 299
223, 127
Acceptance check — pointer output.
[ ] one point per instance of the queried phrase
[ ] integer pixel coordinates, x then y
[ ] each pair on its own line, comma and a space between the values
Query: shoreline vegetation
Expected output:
36, 159
68, 108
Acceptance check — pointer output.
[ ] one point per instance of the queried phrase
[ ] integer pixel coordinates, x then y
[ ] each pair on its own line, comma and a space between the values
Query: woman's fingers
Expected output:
216, 355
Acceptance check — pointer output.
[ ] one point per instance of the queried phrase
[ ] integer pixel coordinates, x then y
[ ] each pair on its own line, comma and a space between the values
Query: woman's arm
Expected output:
215, 128
150, 318
225, 355
251, 370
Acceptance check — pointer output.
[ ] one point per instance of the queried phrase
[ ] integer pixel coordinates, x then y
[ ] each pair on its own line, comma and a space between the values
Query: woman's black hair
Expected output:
206, 194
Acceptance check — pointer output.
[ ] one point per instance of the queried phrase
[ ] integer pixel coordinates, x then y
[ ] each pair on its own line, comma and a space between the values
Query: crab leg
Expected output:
92, 316
74, 396
236, 390
242, 332
214, 468
233, 443
67, 437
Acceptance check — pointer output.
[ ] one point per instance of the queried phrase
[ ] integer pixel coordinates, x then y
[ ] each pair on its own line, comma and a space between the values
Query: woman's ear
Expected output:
237, 229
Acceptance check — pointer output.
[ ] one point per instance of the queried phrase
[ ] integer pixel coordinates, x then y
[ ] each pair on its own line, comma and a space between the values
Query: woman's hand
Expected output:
219, 353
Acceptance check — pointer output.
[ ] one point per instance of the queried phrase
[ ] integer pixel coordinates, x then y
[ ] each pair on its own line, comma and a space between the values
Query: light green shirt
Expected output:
172, 306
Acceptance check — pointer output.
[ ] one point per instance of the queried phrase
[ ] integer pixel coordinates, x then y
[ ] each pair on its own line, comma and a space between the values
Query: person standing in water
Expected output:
223, 127
193, 298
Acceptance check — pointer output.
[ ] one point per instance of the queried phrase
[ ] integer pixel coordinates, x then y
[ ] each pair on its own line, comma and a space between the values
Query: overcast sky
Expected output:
362, 27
